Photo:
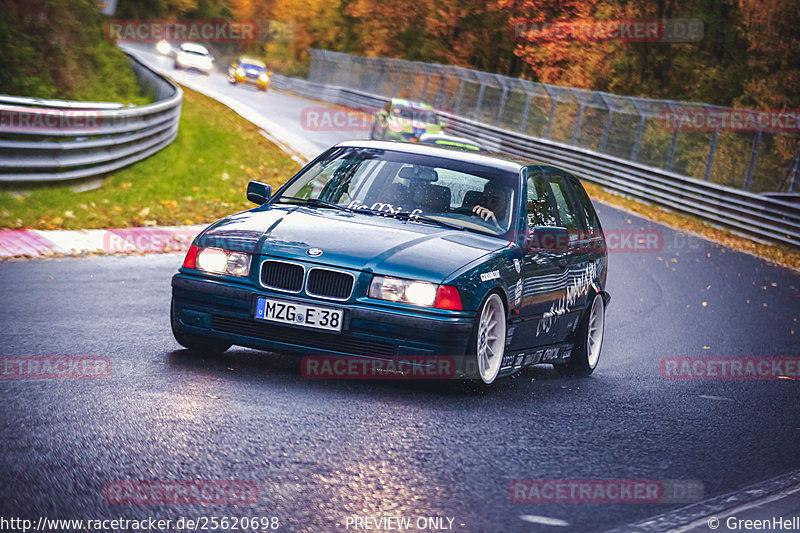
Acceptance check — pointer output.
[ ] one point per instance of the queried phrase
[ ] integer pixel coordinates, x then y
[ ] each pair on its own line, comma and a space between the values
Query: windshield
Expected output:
417, 114
475, 197
194, 49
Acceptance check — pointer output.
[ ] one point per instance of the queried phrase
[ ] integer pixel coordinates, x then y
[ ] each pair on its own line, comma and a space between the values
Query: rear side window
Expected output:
585, 205
540, 211
568, 209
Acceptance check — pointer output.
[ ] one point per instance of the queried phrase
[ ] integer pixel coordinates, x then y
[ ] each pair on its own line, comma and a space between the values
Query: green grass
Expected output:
200, 177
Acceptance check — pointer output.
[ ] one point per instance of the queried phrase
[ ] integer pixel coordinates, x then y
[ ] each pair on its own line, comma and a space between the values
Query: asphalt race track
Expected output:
323, 451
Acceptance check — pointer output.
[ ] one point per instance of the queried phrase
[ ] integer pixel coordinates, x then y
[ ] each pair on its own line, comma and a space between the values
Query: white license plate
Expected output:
298, 314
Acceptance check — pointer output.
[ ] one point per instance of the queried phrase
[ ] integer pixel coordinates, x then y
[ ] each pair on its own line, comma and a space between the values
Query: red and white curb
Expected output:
38, 243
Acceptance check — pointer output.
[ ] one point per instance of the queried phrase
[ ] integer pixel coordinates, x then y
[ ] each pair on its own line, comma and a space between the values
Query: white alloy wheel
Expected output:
491, 338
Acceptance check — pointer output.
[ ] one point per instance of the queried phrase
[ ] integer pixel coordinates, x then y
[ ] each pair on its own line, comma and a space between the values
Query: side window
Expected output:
539, 203
585, 204
567, 208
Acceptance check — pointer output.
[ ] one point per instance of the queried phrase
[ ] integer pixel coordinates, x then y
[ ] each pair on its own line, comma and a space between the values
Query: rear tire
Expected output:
196, 343
589, 341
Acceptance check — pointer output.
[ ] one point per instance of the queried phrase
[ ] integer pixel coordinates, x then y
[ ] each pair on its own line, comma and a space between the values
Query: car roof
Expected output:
194, 47
492, 159
410, 103
252, 61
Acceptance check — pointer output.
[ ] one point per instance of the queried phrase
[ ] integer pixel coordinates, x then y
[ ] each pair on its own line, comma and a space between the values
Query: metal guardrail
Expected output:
762, 154
756, 216
58, 140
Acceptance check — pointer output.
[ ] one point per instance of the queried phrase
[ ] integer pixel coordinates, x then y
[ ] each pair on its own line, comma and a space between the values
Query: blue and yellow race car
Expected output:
387, 250
249, 71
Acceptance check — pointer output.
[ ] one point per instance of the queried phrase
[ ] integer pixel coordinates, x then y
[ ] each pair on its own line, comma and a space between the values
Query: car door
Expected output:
544, 270
582, 251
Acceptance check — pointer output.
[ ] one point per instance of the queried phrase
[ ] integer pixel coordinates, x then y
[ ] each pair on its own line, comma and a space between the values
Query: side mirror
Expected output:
258, 192
551, 239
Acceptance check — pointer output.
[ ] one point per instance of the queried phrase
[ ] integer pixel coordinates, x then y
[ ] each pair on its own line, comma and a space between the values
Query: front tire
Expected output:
487, 343
586, 351
195, 343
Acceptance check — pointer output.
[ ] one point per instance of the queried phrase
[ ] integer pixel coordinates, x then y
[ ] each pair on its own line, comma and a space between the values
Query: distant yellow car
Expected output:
250, 71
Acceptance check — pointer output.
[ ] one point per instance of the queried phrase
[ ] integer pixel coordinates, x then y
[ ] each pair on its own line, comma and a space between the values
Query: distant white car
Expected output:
195, 57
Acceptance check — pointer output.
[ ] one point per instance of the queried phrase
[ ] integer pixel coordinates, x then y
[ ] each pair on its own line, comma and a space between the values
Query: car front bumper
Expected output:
225, 310
251, 81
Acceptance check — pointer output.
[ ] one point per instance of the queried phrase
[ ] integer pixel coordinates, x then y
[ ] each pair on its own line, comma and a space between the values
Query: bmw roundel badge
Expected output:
314, 252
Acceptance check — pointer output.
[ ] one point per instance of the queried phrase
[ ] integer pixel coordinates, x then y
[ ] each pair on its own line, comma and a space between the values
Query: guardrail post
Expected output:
752, 167
711, 149
577, 128
424, 96
479, 103
792, 171
607, 125
795, 172
672, 146
458, 96
440, 94
524, 122
502, 106
550, 116
638, 139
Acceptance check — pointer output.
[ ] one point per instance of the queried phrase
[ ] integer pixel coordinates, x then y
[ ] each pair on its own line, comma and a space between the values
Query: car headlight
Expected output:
421, 293
164, 47
240, 72
264, 78
218, 261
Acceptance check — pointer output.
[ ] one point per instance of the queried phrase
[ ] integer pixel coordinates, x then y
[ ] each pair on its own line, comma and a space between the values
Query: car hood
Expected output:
195, 60
356, 241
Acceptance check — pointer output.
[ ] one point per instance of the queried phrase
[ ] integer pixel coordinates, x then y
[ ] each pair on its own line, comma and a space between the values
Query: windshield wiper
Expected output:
422, 218
316, 202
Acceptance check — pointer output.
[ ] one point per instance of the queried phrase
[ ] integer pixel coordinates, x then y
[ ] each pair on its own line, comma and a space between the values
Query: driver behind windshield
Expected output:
493, 203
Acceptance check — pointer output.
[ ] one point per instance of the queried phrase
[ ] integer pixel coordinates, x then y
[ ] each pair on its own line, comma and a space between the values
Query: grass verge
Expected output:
779, 254
200, 177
